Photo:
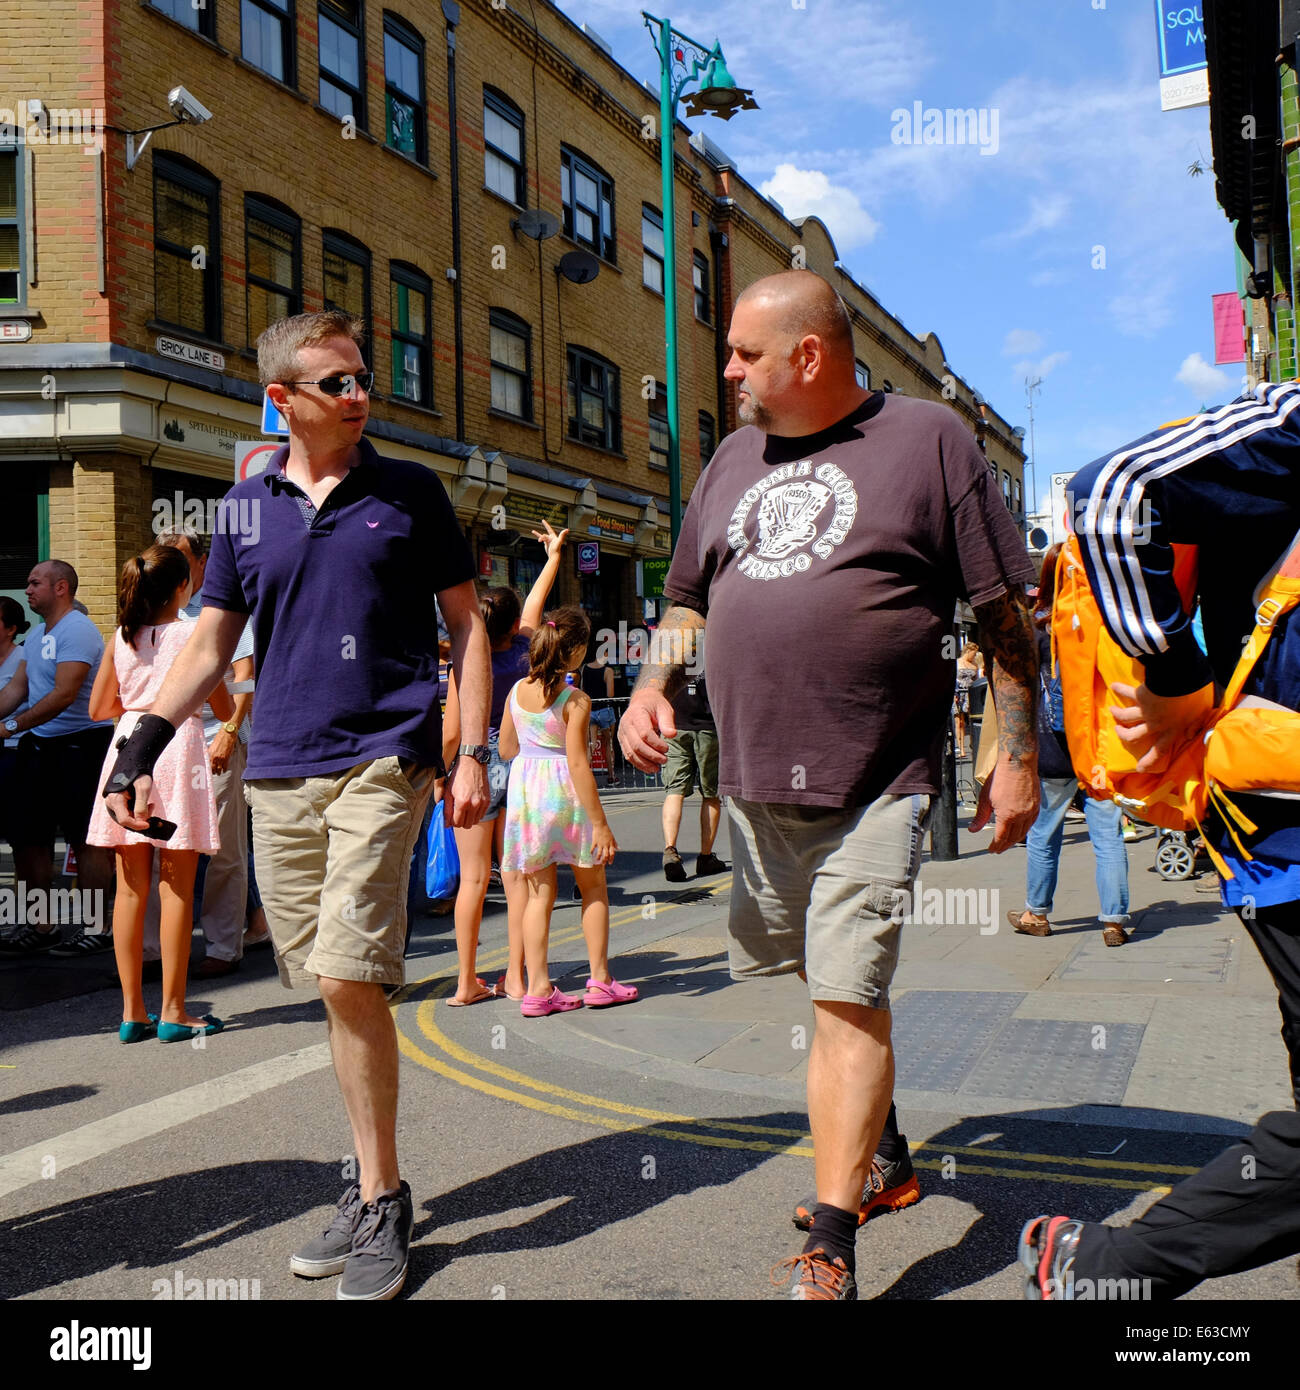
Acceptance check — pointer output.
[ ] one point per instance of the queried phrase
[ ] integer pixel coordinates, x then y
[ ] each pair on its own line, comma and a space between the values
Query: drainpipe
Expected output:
718, 243
451, 13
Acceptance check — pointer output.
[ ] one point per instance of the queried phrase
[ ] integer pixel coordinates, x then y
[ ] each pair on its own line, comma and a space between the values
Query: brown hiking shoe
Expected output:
674, 869
1034, 926
820, 1277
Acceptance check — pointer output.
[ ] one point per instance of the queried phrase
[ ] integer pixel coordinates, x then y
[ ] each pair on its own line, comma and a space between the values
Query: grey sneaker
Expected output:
381, 1242
328, 1253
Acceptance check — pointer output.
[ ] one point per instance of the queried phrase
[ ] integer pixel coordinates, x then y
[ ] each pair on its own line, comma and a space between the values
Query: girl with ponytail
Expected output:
553, 812
154, 587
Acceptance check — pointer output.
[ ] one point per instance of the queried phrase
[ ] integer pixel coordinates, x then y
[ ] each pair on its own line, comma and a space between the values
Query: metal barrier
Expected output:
623, 776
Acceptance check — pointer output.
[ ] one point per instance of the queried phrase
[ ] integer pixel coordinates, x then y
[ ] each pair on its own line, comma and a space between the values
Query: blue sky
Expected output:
994, 253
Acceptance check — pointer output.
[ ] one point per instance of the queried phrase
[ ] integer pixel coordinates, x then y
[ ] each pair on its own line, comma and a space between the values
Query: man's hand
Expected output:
1152, 724
132, 812
220, 749
647, 722
1010, 799
465, 795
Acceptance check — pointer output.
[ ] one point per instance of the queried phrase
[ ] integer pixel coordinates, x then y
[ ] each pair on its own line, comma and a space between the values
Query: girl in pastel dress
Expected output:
553, 812
154, 588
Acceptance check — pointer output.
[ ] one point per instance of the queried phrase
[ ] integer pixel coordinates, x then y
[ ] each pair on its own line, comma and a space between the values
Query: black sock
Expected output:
836, 1232
891, 1146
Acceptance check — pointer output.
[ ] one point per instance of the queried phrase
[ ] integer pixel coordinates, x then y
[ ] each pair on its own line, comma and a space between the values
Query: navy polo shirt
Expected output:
342, 602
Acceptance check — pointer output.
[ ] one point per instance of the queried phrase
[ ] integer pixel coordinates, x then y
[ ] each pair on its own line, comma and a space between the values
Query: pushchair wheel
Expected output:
1174, 857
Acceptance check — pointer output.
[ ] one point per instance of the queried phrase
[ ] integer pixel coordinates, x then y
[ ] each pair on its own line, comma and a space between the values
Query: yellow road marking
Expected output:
624, 1117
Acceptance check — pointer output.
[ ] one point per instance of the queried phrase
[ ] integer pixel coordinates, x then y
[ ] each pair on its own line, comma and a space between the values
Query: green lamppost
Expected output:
681, 61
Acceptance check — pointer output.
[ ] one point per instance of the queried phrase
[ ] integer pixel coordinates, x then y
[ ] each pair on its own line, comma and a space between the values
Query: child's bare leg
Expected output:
595, 919
516, 896
176, 929
475, 849
540, 888
134, 870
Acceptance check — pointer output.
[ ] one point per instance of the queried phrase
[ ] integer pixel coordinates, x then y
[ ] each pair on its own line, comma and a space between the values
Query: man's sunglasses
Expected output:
341, 385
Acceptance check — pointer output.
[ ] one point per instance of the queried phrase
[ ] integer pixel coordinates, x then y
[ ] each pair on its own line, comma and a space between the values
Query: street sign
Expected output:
272, 421
588, 553
252, 457
188, 353
15, 330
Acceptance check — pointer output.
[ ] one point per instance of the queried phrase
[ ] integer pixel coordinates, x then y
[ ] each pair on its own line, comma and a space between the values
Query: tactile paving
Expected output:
940, 1034
1053, 1059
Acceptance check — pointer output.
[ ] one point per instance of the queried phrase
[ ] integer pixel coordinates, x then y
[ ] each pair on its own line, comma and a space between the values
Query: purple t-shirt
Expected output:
342, 600
829, 568
508, 667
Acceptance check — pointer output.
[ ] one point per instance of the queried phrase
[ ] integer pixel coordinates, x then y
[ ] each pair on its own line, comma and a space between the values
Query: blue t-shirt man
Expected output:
73, 638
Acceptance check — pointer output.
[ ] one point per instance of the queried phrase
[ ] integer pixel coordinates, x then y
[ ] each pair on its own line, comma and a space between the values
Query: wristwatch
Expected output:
11, 728
230, 727
480, 752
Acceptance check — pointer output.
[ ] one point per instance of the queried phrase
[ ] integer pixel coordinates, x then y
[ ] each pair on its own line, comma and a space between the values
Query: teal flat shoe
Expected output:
180, 1032
138, 1032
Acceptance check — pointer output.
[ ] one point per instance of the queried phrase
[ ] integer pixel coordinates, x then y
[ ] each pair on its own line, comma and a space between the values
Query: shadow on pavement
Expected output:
156, 1224
1021, 1190
589, 1186
46, 1100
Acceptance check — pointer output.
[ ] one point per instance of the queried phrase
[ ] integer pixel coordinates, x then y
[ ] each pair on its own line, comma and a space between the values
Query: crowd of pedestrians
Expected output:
828, 761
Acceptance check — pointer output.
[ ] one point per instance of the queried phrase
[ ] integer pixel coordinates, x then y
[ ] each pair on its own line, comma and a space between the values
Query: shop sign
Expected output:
201, 436
588, 553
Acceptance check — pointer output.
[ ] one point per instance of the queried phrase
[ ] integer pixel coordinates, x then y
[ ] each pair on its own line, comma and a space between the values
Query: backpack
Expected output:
1053, 701
1230, 748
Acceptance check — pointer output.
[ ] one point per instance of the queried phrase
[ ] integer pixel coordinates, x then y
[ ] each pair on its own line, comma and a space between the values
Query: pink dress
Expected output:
140, 674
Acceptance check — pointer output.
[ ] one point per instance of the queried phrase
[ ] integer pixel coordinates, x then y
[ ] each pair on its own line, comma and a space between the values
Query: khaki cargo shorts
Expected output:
333, 859
692, 756
824, 891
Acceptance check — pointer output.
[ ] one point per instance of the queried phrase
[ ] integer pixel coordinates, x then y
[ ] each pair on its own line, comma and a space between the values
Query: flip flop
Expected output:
488, 992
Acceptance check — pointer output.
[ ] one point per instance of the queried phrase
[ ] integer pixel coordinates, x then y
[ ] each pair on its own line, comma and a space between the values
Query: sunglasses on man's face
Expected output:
341, 385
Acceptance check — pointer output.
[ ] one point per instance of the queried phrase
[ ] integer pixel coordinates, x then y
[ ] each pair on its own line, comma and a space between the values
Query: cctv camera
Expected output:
186, 107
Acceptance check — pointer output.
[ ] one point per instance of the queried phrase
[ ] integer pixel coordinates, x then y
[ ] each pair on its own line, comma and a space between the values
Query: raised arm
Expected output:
535, 604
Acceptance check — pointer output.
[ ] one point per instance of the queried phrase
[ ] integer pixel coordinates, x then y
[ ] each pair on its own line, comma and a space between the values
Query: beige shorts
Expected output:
333, 856
819, 890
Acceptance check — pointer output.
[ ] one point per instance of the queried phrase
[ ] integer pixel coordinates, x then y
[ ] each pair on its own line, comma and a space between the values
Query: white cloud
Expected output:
1203, 380
1042, 368
1044, 214
1143, 306
810, 193
1020, 341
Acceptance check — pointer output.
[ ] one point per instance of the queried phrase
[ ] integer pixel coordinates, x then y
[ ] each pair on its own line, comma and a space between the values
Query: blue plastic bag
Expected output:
442, 872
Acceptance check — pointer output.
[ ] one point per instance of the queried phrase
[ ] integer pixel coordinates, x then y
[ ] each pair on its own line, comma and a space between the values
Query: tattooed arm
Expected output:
678, 645
1010, 648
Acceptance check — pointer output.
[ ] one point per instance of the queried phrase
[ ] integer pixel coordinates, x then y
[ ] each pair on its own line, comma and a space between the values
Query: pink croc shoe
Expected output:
600, 996
557, 1002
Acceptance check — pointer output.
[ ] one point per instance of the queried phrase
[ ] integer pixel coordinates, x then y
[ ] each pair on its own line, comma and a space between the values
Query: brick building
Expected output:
381, 159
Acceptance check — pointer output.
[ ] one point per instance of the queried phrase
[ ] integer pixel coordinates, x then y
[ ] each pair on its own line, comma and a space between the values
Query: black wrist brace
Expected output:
138, 755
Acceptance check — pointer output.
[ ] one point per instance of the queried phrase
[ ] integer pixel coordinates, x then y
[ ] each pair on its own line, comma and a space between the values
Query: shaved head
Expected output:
801, 303
792, 355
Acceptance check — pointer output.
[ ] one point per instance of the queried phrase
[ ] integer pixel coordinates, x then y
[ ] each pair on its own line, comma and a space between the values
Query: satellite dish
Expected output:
579, 266
1019, 431
1038, 538
536, 224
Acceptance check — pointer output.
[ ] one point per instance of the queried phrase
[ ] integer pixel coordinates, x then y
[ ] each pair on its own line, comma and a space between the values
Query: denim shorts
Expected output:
820, 890
498, 775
